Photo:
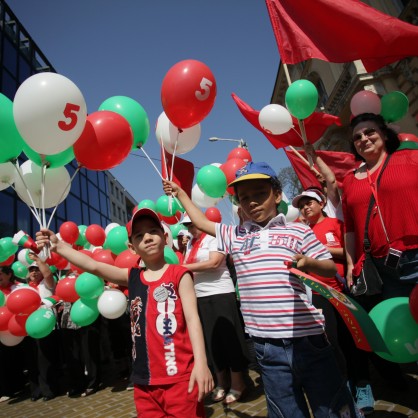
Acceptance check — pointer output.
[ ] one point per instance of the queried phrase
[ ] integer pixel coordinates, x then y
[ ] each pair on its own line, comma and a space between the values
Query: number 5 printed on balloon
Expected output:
70, 112
205, 85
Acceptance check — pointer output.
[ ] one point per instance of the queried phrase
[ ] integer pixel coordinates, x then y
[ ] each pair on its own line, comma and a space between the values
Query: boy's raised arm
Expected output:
195, 214
46, 237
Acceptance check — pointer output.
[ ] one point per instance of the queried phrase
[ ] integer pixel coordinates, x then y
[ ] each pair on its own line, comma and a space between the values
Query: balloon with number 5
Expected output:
188, 93
40, 323
50, 112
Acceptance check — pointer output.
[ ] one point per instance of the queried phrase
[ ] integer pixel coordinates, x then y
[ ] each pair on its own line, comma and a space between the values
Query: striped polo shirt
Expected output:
273, 301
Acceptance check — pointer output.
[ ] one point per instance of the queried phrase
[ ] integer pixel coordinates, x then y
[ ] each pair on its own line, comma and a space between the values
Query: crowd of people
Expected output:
188, 332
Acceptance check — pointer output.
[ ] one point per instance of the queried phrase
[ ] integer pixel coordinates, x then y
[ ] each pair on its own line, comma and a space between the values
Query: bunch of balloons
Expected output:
392, 106
301, 99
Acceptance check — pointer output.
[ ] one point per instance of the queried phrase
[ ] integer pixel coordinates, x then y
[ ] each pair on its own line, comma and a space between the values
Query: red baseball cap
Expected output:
140, 213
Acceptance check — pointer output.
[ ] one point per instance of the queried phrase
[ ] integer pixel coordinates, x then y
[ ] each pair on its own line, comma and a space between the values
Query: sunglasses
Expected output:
367, 133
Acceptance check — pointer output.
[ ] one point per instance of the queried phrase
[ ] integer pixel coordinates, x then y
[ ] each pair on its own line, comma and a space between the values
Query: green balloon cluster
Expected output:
117, 240
147, 203
81, 240
20, 270
211, 181
11, 143
398, 328
163, 205
84, 312
394, 106
301, 98
40, 323
89, 286
7, 248
175, 229
134, 113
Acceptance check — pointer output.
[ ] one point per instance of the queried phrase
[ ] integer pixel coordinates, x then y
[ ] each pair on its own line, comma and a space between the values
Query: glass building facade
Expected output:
88, 200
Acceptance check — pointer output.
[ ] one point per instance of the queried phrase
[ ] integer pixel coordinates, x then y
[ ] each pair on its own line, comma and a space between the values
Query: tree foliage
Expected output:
290, 182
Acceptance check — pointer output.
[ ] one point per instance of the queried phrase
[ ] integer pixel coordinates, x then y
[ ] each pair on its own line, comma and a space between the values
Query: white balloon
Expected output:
21, 256
167, 230
275, 119
8, 175
9, 339
203, 200
50, 112
284, 197
110, 227
112, 303
57, 181
166, 132
292, 213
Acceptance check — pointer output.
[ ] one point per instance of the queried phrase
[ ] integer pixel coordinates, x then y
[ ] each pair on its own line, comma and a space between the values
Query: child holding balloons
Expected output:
294, 355
170, 369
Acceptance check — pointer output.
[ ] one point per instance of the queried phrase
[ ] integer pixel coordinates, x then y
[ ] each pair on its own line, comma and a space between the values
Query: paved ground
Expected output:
114, 401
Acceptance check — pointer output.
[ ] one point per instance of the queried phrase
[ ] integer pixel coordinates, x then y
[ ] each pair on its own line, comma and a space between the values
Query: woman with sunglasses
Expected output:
392, 226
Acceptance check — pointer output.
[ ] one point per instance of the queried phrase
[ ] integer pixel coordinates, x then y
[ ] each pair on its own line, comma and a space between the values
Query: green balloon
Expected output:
40, 323
81, 240
282, 207
163, 206
134, 113
84, 312
7, 248
2, 299
170, 256
147, 203
398, 328
211, 181
176, 228
117, 240
54, 160
89, 286
301, 98
20, 270
11, 142
394, 106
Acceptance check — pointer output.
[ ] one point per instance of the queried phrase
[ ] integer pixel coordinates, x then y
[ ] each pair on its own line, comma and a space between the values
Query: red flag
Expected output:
339, 162
183, 171
315, 126
340, 31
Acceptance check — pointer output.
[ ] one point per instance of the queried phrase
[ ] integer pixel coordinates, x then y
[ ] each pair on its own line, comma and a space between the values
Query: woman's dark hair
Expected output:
392, 143
8, 270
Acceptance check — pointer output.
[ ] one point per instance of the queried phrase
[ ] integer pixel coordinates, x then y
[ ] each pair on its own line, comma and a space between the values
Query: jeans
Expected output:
293, 368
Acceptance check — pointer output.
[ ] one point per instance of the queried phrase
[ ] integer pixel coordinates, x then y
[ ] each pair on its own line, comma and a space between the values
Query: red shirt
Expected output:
398, 200
330, 231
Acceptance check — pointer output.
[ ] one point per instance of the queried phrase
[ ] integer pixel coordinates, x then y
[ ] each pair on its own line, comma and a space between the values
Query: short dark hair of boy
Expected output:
274, 181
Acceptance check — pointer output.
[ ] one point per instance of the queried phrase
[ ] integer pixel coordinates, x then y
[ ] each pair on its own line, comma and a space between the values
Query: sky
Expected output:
110, 48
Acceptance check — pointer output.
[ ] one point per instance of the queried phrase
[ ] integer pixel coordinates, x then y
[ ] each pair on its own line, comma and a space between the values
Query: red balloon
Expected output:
95, 235
62, 263
213, 214
188, 93
104, 256
69, 232
127, 259
407, 137
413, 302
17, 325
170, 220
65, 289
241, 153
229, 168
105, 141
8, 261
23, 300
5, 316
53, 259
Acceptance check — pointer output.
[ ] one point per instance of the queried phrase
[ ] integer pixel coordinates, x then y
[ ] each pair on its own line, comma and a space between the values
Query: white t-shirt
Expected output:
213, 281
334, 212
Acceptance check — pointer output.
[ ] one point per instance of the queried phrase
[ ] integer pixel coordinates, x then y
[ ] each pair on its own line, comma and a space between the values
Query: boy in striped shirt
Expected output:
295, 357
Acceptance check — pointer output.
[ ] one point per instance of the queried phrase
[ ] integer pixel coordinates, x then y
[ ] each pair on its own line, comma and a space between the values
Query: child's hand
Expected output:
170, 188
300, 262
203, 377
46, 238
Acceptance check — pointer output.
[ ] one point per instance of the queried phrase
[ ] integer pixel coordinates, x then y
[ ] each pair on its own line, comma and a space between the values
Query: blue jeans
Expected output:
294, 367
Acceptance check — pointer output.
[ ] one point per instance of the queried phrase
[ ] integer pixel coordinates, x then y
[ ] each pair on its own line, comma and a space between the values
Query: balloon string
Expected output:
46, 252
152, 163
170, 198
32, 209
62, 194
164, 160
35, 214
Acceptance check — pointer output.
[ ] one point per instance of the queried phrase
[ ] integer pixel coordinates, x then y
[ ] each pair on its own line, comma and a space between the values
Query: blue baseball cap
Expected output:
253, 171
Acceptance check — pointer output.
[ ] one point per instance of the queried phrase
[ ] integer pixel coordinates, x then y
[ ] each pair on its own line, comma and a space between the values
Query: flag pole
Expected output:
304, 159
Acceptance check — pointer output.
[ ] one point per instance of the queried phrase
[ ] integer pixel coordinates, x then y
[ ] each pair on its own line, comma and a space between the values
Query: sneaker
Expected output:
130, 386
4, 398
364, 399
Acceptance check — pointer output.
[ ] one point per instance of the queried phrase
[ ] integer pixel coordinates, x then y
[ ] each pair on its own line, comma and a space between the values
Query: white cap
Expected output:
186, 220
34, 264
306, 193
184, 232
